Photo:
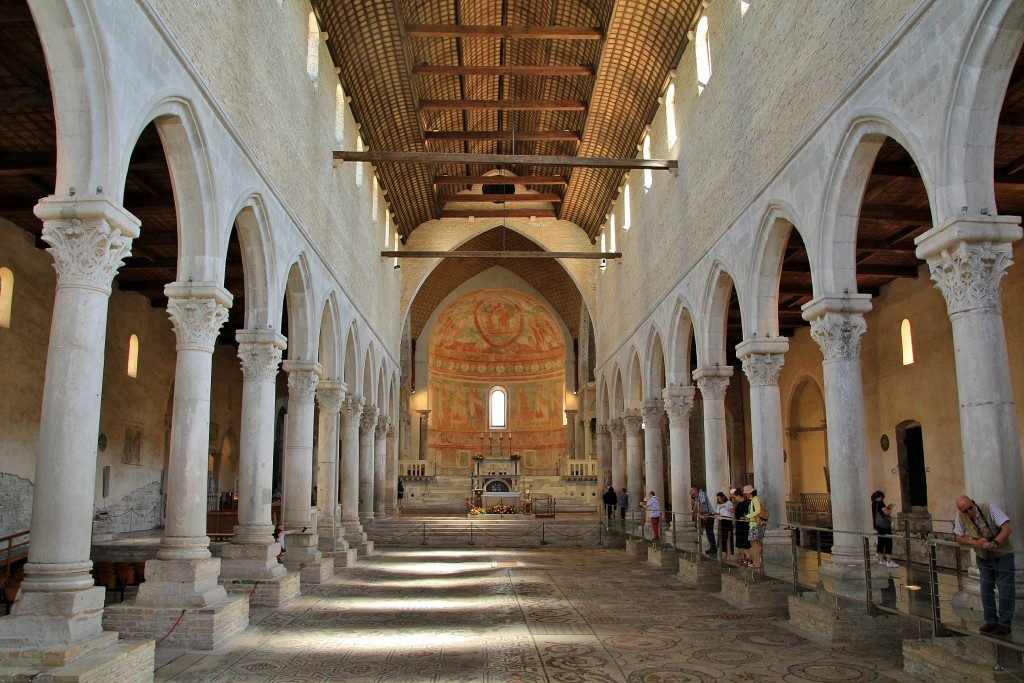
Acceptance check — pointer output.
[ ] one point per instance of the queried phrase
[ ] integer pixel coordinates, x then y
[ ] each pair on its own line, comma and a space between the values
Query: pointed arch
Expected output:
302, 321
654, 377
679, 344
253, 229
350, 370
635, 381
618, 393
711, 342
330, 339
773, 237
369, 376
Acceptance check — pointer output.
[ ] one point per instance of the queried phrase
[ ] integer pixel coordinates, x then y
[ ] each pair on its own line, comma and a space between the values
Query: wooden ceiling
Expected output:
457, 88
894, 211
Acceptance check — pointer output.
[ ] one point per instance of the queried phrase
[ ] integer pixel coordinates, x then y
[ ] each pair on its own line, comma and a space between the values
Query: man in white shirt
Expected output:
653, 508
987, 529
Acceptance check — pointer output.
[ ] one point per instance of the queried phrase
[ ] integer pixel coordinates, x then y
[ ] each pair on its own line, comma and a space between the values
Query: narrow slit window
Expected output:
339, 116
375, 202
498, 408
703, 53
313, 50
648, 173
359, 165
133, 356
670, 115
908, 342
611, 230
627, 208
6, 296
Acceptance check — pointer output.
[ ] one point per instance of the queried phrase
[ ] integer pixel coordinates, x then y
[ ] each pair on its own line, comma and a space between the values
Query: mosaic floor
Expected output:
570, 615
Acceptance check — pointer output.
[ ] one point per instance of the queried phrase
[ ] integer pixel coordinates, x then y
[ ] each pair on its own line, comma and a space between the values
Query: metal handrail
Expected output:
11, 544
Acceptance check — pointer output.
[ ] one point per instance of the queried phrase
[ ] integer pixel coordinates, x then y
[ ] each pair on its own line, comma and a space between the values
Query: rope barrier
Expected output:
166, 635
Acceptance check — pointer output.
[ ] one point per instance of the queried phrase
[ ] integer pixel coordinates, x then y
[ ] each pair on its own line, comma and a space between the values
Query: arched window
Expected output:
611, 231
627, 208
133, 356
498, 408
670, 114
313, 50
375, 202
703, 53
359, 167
908, 342
339, 116
6, 296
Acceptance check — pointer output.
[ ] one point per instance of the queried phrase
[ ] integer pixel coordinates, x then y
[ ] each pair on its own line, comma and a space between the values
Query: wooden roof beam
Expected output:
499, 198
497, 213
518, 105
388, 157
512, 70
498, 32
500, 180
503, 135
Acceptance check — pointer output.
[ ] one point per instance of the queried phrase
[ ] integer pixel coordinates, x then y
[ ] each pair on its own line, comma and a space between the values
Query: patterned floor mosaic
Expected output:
566, 615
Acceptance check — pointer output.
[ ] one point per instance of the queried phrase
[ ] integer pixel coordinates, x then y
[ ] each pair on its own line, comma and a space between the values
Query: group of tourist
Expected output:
742, 518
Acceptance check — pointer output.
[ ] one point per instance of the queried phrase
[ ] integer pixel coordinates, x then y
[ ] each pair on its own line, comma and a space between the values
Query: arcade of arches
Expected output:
804, 279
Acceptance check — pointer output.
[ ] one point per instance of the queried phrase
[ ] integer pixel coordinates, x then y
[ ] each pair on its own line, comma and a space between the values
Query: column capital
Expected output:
967, 257
303, 377
352, 408
632, 421
368, 420
602, 428
392, 431
653, 411
89, 238
570, 413
712, 381
260, 352
678, 403
837, 324
380, 430
329, 396
197, 310
763, 359
615, 428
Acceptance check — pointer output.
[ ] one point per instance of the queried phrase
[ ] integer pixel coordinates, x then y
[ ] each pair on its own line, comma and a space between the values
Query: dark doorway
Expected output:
913, 474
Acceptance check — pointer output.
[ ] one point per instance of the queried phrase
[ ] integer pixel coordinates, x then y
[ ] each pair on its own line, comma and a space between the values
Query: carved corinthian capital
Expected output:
196, 321
838, 335
678, 404
653, 413
632, 421
763, 369
368, 420
969, 276
380, 430
302, 385
329, 396
713, 388
259, 361
351, 411
601, 429
615, 429
89, 239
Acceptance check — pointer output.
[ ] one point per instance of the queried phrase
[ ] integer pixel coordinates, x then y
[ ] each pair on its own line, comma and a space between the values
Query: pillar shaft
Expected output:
604, 457
424, 433
329, 397
570, 433
88, 237
351, 413
380, 447
678, 403
713, 383
367, 424
391, 470
303, 377
631, 422
260, 354
654, 459
618, 459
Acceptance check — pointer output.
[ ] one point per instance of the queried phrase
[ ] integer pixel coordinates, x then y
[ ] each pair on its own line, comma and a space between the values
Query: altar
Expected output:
490, 499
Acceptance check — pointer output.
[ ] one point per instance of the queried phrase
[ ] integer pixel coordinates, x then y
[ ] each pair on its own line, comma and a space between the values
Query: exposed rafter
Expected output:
533, 32
588, 255
381, 157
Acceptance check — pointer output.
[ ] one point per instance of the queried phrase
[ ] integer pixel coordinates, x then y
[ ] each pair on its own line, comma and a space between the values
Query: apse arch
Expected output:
844, 195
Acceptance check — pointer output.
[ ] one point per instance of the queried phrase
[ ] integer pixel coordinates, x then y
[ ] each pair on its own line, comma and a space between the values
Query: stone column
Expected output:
303, 377
604, 456
260, 354
329, 396
967, 258
183, 572
405, 429
570, 433
631, 421
367, 425
380, 446
654, 460
589, 451
712, 383
351, 412
678, 403
424, 433
762, 362
618, 457
581, 451
391, 472
837, 325
59, 603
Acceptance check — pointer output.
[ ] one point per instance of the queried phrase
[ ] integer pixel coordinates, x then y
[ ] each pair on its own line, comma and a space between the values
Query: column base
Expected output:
200, 628
329, 543
346, 558
250, 562
971, 658
312, 572
747, 588
777, 547
181, 583
636, 548
663, 557
838, 621
275, 592
706, 576
100, 658
41, 619
847, 579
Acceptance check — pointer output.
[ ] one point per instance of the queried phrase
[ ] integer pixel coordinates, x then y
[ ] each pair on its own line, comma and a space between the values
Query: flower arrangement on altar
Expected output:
493, 510
479, 456
513, 456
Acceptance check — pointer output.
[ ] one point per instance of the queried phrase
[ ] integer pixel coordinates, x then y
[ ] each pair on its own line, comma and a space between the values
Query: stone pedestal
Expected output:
636, 548
199, 628
100, 658
847, 580
181, 583
275, 592
344, 558
826, 616
305, 558
248, 567
704, 575
970, 658
663, 557
746, 588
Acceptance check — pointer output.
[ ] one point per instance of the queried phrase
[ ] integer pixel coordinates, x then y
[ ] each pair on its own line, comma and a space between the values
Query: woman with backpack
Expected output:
758, 518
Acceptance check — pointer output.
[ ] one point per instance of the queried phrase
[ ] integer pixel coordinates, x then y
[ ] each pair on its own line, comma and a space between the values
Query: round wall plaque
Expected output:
102, 443
885, 442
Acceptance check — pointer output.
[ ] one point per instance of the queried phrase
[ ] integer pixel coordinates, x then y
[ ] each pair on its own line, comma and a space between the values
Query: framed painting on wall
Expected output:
132, 443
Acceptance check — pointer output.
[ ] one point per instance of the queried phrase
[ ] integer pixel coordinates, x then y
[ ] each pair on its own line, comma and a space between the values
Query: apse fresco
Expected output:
497, 337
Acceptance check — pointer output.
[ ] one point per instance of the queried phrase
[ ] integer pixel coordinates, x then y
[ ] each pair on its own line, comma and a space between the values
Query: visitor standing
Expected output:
725, 512
610, 502
987, 529
881, 518
653, 507
742, 527
623, 505
705, 516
